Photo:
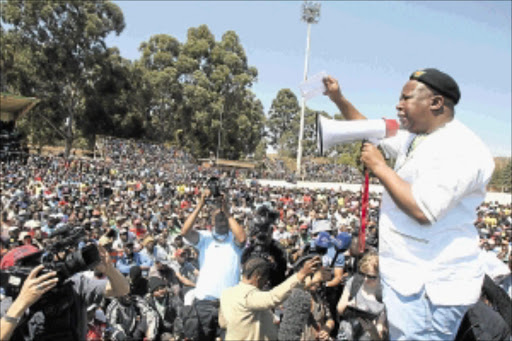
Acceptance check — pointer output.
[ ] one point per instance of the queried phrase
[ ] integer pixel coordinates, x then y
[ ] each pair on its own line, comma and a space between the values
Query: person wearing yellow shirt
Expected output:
341, 202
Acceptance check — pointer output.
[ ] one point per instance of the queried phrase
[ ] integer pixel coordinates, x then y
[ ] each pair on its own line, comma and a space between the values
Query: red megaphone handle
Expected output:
364, 208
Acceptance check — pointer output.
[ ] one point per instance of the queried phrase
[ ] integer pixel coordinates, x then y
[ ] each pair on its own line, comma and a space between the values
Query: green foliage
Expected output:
284, 123
55, 51
183, 93
502, 177
194, 90
282, 117
283, 130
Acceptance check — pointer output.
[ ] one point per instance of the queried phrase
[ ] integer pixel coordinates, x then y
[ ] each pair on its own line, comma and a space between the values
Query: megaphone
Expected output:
331, 132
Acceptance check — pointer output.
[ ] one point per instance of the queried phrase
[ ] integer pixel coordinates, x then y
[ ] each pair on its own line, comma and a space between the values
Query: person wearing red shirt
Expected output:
138, 229
306, 198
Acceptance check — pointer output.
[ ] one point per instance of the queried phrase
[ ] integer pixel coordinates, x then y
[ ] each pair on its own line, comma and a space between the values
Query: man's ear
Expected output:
437, 103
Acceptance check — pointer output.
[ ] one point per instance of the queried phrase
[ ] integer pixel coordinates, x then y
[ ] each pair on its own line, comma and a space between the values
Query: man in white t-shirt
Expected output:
428, 246
220, 253
281, 234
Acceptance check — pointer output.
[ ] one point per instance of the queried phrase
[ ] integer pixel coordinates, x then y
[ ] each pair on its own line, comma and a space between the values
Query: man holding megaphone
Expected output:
428, 246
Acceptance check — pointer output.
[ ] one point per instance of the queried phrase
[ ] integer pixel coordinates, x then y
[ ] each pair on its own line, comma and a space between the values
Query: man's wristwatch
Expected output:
10, 319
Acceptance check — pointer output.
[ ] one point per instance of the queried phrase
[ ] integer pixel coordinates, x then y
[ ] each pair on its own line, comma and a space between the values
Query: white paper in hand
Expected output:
313, 86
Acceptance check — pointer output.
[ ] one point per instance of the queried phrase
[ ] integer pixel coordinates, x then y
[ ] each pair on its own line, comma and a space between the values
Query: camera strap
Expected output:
334, 258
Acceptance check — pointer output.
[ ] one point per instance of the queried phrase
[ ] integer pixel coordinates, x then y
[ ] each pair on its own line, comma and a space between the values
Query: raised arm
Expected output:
343, 302
117, 284
187, 230
33, 288
236, 229
346, 108
262, 300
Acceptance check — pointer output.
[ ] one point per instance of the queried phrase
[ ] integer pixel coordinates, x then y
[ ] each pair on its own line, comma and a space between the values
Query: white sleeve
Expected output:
449, 178
392, 145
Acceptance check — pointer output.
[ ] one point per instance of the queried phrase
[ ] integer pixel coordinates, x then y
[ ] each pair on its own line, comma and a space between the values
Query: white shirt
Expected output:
492, 265
219, 264
448, 171
278, 235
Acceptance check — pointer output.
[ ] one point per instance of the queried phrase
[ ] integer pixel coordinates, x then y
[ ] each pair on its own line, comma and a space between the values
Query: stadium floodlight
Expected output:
311, 15
310, 12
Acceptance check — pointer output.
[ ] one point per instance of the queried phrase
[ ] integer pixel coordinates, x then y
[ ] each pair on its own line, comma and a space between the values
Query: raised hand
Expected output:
36, 286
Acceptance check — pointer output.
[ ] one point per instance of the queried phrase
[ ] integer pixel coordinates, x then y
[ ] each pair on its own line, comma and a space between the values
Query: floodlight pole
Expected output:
310, 14
218, 137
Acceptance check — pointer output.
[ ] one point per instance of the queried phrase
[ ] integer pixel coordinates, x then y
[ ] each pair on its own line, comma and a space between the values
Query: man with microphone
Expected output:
428, 246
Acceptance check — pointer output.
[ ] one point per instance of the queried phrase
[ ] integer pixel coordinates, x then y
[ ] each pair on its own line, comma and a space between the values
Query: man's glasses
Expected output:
367, 276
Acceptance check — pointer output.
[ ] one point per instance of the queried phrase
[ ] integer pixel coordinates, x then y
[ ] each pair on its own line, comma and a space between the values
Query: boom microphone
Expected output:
295, 315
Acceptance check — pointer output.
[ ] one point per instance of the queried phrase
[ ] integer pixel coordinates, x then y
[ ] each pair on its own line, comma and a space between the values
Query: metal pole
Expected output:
303, 105
218, 142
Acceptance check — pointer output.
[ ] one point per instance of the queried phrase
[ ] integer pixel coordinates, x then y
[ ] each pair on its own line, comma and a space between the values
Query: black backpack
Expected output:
357, 283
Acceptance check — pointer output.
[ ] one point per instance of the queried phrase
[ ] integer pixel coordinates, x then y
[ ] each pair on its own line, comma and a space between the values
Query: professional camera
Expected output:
361, 321
262, 245
261, 227
59, 256
310, 251
215, 186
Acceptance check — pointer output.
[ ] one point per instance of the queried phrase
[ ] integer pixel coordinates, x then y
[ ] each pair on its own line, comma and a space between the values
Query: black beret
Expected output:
438, 81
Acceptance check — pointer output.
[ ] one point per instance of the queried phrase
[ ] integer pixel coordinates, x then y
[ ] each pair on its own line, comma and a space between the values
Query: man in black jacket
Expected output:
168, 306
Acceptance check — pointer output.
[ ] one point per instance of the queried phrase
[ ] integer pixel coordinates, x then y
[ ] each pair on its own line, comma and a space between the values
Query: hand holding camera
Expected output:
309, 267
324, 274
204, 194
224, 204
106, 261
36, 286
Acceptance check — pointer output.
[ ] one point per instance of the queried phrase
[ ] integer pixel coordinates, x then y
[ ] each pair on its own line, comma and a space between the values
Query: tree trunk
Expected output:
69, 145
69, 125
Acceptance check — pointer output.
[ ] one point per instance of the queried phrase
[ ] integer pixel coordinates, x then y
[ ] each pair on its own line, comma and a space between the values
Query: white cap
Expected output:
100, 316
22, 236
321, 225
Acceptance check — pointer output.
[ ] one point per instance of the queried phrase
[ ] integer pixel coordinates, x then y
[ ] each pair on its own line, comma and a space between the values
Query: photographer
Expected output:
245, 309
65, 315
332, 257
363, 293
306, 314
219, 259
261, 244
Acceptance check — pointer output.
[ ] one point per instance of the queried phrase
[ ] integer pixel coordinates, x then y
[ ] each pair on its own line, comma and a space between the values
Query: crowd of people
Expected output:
141, 202
275, 169
329, 172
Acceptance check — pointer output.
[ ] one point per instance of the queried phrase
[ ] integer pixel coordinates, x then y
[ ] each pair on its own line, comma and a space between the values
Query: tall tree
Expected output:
282, 115
309, 146
218, 112
161, 91
67, 43
501, 179
111, 99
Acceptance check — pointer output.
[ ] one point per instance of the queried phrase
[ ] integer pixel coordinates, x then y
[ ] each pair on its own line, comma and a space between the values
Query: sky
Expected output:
371, 47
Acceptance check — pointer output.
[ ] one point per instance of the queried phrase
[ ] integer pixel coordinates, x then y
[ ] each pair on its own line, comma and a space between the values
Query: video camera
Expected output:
59, 256
262, 245
260, 230
310, 251
214, 185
